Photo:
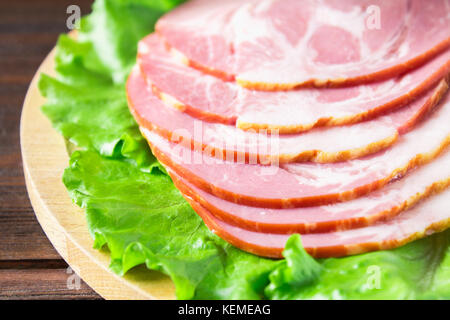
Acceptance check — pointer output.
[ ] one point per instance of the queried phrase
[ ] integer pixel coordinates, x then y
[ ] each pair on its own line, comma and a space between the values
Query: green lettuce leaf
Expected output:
299, 270
134, 210
143, 218
95, 116
116, 27
419, 270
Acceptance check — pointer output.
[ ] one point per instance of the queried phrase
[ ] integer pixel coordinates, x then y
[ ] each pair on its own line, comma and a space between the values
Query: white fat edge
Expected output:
399, 191
240, 138
422, 140
442, 160
280, 108
285, 110
341, 138
385, 88
396, 193
326, 176
393, 158
202, 81
253, 142
414, 220
172, 102
178, 57
135, 69
143, 48
287, 106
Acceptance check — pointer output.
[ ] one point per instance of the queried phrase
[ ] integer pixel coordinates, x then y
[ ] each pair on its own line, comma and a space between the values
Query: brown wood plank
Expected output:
30, 268
42, 284
45, 158
29, 29
33, 264
21, 237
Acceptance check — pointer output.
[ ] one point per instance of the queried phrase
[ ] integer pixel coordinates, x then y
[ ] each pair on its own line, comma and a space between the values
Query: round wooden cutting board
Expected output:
44, 160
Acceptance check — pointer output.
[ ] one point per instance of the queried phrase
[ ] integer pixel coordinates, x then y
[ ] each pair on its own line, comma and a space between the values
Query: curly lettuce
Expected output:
133, 208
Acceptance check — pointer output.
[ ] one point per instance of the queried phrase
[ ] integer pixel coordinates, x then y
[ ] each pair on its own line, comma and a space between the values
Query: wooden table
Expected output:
29, 266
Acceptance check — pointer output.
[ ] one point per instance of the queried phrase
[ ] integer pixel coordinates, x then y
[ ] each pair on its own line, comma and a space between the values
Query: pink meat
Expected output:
304, 184
323, 145
432, 215
209, 98
377, 206
283, 44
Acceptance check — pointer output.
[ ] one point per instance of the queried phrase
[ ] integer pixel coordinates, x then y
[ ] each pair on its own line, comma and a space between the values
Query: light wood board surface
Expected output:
44, 160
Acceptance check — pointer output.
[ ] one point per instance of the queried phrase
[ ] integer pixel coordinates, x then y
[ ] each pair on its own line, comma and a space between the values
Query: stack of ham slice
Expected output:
326, 118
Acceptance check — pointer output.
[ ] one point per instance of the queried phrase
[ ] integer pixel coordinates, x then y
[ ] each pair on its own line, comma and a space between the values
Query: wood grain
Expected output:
44, 159
46, 284
28, 31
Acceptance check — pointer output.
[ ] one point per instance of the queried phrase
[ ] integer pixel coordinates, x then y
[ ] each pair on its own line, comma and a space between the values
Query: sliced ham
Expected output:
429, 216
284, 44
209, 98
322, 145
305, 184
377, 206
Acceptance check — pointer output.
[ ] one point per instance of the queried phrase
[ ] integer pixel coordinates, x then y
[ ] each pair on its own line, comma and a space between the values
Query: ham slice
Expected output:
211, 99
284, 44
305, 184
377, 206
322, 145
429, 216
